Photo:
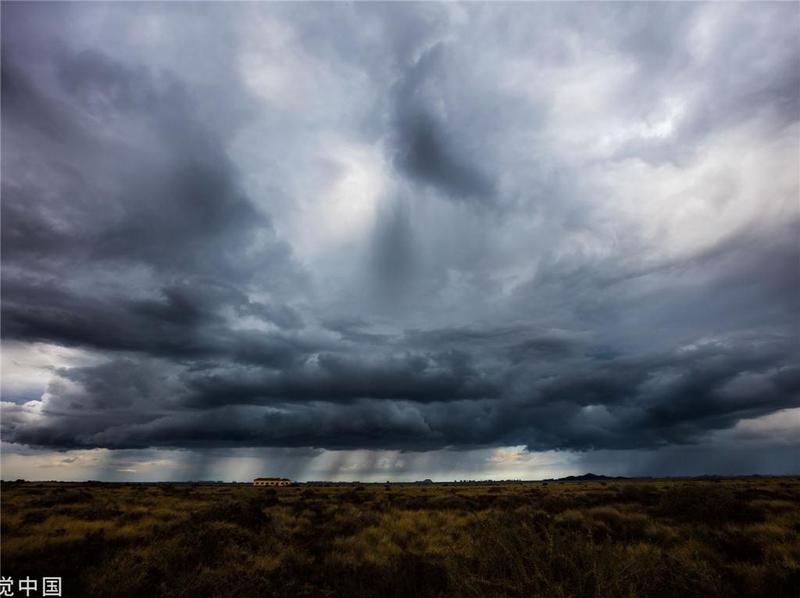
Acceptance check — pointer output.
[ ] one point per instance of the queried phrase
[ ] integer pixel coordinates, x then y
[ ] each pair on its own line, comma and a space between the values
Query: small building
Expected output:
271, 482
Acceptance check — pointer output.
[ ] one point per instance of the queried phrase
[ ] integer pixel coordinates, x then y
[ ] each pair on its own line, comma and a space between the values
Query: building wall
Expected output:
271, 483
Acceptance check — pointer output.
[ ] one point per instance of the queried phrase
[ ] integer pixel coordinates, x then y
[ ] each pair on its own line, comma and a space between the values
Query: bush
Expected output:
246, 513
706, 504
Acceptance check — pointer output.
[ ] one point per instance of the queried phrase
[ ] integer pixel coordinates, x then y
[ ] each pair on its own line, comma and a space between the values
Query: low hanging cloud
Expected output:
577, 229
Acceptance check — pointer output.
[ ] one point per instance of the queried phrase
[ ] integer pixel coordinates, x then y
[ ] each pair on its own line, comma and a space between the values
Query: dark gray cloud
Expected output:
422, 402
400, 227
429, 148
134, 234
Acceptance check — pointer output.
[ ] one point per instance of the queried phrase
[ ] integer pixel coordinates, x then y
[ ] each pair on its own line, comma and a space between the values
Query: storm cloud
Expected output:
388, 227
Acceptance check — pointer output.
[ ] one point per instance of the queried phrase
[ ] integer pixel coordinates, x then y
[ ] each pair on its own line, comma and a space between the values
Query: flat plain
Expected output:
621, 538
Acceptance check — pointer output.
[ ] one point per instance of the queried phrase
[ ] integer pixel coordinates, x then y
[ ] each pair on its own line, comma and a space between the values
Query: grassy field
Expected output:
738, 537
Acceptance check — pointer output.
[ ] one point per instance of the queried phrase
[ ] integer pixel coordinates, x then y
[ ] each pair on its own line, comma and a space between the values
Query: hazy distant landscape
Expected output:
734, 537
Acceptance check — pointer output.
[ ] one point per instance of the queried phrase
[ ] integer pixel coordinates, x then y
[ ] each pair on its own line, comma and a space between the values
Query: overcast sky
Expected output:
399, 241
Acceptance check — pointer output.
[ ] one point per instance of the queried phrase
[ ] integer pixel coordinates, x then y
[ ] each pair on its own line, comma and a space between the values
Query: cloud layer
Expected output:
398, 227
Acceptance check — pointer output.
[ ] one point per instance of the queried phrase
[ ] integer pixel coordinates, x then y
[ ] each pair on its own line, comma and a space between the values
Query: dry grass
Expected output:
738, 537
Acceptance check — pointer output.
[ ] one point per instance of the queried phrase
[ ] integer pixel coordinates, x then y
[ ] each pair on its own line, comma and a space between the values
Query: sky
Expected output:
399, 241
